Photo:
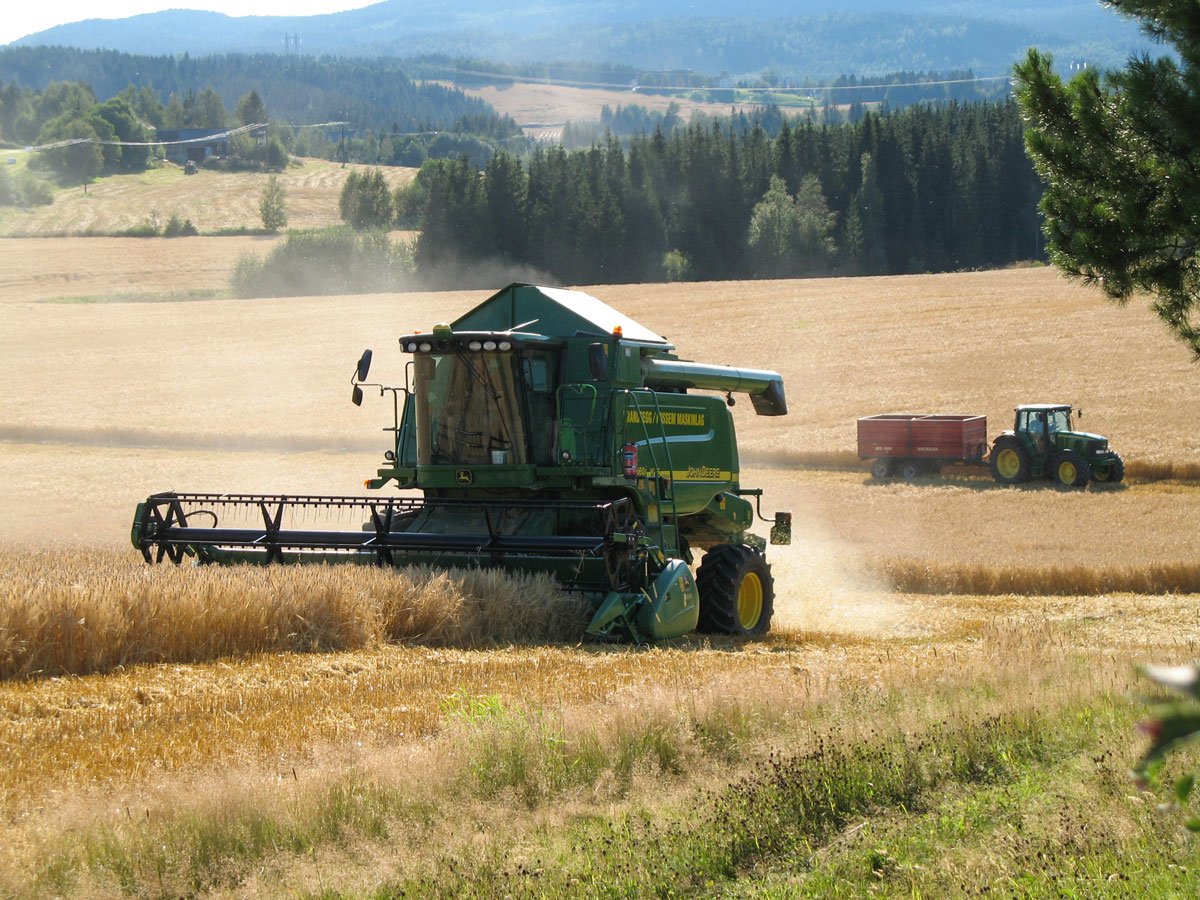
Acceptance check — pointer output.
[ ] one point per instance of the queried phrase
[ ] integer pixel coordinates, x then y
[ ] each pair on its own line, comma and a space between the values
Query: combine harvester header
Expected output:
547, 432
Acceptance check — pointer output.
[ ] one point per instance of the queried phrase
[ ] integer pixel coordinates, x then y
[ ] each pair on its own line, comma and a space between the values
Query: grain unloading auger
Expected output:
547, 432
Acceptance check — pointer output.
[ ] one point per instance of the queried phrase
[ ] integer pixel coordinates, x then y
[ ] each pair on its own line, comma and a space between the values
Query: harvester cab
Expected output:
546, 431
1044, 444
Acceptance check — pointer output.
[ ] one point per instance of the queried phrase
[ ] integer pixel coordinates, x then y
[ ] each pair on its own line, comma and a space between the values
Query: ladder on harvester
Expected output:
664, 487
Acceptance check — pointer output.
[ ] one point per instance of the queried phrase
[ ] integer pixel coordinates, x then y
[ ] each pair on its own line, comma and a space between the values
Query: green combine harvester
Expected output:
546, 432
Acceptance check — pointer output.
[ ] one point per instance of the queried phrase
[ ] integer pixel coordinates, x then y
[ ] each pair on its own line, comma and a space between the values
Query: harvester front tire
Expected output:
1110, 472
1070, 469
1009, 462
737, 592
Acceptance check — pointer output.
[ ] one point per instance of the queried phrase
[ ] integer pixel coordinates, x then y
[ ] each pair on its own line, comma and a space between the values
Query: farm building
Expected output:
183, 145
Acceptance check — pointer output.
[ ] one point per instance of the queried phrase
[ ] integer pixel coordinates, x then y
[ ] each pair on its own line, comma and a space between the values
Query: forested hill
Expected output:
814, 38
926, 189
374, 94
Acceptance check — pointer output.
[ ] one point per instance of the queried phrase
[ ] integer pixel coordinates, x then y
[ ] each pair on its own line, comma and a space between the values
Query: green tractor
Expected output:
545, 431
1044, 444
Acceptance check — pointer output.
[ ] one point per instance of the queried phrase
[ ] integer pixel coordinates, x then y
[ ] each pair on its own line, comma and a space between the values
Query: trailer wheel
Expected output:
1071, 469
1110, 470
881, 468
910, 469
1010, 462
737, 592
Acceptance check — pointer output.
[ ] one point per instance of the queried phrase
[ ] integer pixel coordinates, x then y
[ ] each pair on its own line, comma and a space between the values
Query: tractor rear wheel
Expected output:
1070, 469
881, 468
737, 592
1110, 471
1010, 462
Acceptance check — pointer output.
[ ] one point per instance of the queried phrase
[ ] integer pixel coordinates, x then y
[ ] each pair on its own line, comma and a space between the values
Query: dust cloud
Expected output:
145, 439
824, 584
455, 274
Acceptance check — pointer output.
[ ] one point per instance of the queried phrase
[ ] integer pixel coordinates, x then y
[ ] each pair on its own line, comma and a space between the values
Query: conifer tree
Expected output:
1120, 155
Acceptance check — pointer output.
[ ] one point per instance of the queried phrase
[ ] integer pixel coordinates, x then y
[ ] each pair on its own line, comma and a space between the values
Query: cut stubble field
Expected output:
542, 109
239, 702
211, 200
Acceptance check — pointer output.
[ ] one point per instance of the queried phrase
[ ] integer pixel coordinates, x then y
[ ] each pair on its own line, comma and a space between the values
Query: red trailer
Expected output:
912, 445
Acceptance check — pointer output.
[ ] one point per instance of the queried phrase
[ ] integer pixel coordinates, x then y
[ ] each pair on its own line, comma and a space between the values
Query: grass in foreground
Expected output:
1006, 772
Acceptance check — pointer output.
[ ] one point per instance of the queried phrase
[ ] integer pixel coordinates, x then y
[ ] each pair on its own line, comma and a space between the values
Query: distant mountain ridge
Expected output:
814, 38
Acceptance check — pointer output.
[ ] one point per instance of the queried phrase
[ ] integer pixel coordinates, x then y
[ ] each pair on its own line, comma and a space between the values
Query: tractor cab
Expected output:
1042, 423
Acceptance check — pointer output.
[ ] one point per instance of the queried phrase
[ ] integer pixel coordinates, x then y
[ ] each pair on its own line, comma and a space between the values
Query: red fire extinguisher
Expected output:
629, 460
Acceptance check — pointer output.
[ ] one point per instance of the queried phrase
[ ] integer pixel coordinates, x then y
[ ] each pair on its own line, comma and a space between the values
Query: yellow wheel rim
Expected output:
1067, 472
750, 601
1008, 463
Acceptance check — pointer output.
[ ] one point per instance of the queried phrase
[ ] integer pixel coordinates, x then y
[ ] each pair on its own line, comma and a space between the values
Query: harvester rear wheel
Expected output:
1111, 471
1070, 469
737, 592
1010, 462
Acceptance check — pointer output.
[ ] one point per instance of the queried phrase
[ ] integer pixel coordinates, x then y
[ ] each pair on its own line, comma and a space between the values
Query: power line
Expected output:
626, 86
219, 136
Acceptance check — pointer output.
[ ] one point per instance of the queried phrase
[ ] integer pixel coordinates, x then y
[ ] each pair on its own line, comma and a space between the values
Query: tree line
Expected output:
116, 135
372, 94
923, 189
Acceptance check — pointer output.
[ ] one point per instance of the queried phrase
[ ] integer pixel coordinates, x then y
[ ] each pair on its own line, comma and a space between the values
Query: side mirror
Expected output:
781, 531
598, 361
356, 396
364, 365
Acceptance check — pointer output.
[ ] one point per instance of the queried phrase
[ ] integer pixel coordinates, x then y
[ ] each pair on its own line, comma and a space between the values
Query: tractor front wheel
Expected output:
1070, 469
1109, 471
1010, 462
737, 592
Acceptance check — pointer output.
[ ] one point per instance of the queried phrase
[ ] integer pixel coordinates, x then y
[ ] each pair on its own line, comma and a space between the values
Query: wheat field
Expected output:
218, 693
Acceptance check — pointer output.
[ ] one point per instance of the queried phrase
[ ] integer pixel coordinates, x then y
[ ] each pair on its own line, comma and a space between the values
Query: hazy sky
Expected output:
22, 17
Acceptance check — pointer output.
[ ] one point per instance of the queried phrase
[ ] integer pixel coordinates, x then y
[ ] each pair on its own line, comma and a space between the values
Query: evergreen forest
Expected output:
372, 94
920, 190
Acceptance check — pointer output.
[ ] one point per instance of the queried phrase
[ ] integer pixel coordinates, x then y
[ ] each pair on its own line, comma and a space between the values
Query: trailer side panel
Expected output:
958, 438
